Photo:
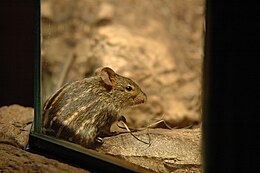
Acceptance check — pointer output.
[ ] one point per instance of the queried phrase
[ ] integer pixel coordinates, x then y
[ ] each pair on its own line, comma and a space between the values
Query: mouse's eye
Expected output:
129, 88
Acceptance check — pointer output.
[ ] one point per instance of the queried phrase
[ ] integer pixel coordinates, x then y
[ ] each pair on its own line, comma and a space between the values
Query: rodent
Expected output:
84, 110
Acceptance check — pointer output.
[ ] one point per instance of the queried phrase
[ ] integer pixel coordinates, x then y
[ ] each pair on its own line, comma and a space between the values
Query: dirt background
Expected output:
157, 43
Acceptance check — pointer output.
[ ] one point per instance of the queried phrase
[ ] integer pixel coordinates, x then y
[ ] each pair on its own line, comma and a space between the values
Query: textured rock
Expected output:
177, 150
13, 159
169, 150
15, 124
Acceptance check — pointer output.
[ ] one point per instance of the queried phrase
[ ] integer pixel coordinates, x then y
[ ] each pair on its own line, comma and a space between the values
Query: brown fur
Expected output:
83, 110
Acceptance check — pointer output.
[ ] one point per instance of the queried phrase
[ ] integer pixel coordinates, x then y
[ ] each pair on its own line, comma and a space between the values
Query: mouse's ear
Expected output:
107, 75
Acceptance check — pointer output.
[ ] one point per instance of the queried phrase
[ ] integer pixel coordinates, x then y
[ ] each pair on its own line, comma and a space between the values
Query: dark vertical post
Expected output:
231, 87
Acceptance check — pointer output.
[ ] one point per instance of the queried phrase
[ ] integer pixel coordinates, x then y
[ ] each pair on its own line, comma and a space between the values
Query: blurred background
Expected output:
157, 43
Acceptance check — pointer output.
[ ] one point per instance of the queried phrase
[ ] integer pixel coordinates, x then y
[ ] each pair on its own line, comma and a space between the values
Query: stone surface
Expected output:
173, 150
169, 150
13, 159
15, 124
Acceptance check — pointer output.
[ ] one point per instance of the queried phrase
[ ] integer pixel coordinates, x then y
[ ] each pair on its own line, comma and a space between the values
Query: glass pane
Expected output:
153, 51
